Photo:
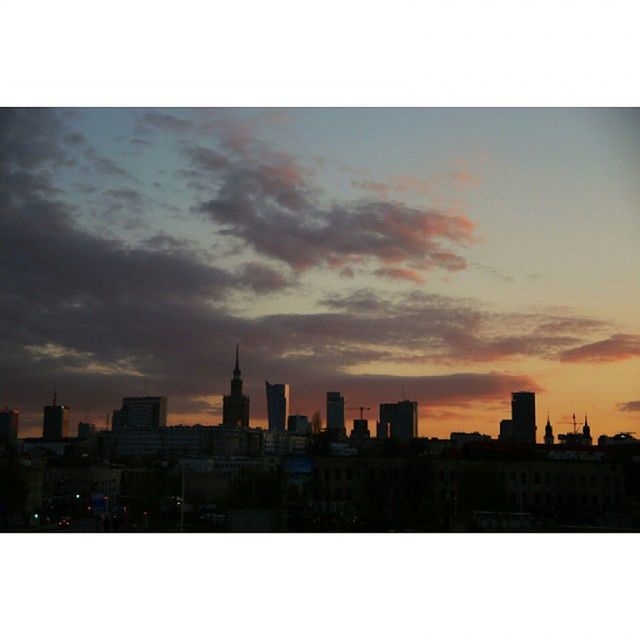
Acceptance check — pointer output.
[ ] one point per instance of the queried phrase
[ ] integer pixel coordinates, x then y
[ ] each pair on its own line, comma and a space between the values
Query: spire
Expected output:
548, 421
586, 424
55, 404
236, 371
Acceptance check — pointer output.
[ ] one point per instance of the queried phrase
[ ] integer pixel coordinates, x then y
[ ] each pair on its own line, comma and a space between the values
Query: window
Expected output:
523, 478
349, 474
536, 478
338, 474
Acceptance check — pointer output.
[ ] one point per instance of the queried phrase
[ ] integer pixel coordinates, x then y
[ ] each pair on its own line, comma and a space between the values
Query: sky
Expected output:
448, 256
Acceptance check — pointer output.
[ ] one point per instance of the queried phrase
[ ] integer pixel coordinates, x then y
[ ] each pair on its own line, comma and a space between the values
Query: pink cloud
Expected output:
398, 273
621, 346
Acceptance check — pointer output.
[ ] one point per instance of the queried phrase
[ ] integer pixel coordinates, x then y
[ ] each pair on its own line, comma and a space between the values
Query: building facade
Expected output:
147, 413
277, 406
335, 412
9, 423
55, 421
398, 420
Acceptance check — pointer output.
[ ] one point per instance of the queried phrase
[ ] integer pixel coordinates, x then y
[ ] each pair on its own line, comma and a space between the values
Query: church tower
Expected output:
235, 407
548, 432
586, 432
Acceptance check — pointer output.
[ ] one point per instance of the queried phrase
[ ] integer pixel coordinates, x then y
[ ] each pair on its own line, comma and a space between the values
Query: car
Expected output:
64, 522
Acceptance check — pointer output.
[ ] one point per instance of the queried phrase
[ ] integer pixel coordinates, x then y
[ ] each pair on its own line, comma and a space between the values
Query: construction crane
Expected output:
573, 422
360, 409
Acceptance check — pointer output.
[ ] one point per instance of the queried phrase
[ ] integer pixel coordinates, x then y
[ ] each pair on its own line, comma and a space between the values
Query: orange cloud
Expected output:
621, 346
400, 274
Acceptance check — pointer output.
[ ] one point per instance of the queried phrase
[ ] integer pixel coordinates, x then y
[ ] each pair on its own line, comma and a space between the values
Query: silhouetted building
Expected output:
622, 438
522, 426
460, 438
235, 406
277, 406
548, 433
383, 430
523, 415
147, 413
298, 425
506, 430
402, 418
55, 423
582, 438
335, 412
360, 429
586, 432
86, 430
9, 423
116, 421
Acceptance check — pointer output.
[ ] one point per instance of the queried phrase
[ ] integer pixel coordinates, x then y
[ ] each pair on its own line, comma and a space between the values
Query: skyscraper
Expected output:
55, 422
335, 412
235, 406
146, 413
9, 422
398, 420
523, 416
277, 406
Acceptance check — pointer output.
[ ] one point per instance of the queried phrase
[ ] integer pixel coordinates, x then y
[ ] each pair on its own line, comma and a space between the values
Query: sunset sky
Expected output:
453, 255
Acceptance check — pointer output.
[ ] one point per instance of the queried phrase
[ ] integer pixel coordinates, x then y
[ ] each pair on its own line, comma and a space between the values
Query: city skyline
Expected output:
451, 256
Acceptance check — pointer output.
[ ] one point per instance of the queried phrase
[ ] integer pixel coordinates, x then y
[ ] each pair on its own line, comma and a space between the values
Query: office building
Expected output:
360, 429
398, 420
299, 425
116, 422
9, 422
523, 416
55, 422
86, 430
522, 426
277, 406
147, 413
335, 412
235, 406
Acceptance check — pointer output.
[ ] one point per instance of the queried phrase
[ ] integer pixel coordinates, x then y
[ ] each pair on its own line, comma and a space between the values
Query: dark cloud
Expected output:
632, 406
166, 122
621, 346
268, 201
100, 318
261, 278
103, 166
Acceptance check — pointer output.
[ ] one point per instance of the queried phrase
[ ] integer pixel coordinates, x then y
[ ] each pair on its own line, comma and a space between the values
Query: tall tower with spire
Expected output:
586, 432
235, 406
548, 432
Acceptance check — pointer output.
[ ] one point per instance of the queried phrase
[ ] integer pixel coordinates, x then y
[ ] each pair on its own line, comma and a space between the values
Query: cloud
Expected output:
621, 346
165, 122
101, 317
261, 278
274, 210
632, 406
268, 201
400, 274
